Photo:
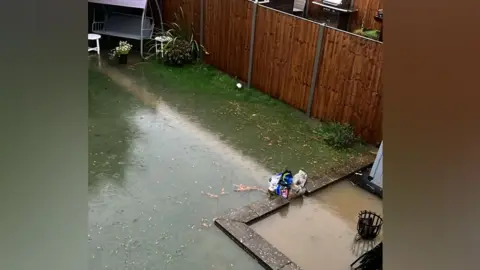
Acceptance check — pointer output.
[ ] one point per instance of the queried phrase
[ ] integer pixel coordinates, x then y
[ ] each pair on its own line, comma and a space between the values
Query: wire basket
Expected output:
369, 225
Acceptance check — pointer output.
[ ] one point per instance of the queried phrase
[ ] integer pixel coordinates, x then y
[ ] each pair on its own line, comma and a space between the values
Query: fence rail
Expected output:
334, 77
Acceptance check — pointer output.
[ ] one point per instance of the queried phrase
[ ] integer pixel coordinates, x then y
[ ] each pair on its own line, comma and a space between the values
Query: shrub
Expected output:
183, 48
178, 52
368, 33
338, 135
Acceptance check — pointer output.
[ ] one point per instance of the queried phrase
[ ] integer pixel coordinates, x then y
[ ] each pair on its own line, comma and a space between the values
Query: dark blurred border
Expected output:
430, 130
431, 126
44, 152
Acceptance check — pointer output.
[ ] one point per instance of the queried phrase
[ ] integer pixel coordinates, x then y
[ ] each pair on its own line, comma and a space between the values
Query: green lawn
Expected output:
264, 128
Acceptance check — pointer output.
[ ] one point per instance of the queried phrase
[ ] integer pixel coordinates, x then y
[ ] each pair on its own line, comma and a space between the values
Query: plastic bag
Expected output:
281, 183
299, 181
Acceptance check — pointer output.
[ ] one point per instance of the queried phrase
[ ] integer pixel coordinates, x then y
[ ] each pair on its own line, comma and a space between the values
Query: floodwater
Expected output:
319, 231
156, 183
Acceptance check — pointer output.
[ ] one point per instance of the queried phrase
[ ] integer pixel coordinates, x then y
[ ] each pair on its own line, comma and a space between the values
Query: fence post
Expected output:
316, 66
202, 18
252, 43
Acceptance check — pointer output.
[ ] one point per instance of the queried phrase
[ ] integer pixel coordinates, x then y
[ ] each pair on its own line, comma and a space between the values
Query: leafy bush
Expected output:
182, 48
338, 135
178, 52
368, 33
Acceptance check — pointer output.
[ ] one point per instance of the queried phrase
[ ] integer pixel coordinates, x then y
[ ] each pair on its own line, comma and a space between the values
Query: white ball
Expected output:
239, 85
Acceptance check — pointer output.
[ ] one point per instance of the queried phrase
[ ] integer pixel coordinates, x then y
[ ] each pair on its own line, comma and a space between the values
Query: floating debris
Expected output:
210, 195
242, 187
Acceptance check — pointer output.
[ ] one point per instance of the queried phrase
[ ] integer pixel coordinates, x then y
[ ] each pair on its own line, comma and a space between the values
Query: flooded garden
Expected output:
168, 147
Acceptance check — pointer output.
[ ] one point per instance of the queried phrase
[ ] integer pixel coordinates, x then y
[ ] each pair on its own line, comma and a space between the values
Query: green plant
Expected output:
338, 135
122, 49
182, 47
368, 33
178, 52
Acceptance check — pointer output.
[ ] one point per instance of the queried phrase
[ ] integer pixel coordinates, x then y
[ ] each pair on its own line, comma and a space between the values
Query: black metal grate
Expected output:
369, 224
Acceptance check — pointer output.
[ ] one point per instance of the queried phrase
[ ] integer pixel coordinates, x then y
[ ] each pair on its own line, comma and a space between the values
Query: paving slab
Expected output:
238, 231
265, 207
236, 223
267, 255
244, 214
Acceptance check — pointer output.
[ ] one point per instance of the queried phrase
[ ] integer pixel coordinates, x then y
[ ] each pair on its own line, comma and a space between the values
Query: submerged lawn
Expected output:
264, 128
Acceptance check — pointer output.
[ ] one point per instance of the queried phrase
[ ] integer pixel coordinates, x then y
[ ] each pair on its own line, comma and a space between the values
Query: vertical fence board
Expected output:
349, 83
284, 54
191, 11
227, 35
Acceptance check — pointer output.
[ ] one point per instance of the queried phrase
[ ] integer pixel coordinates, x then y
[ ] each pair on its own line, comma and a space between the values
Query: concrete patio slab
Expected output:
237, 223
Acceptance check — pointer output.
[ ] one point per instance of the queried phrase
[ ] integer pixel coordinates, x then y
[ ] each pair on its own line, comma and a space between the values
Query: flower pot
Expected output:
123, 59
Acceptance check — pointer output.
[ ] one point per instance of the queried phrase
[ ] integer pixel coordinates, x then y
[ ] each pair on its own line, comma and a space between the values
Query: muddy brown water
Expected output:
318, 232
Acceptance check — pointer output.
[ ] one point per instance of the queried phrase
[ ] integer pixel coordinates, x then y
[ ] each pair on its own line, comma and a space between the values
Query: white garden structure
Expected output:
376, 173
133, 23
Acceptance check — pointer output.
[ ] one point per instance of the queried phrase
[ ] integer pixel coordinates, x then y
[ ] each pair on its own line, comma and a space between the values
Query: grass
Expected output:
264, 128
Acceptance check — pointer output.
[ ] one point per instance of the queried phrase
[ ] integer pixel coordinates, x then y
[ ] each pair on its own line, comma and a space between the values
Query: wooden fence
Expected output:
349, 88
284, 54
227, 36
347, 82
191, 11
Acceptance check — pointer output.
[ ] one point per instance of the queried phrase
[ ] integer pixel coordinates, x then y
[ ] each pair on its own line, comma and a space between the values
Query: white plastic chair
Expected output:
95, 37
161, 40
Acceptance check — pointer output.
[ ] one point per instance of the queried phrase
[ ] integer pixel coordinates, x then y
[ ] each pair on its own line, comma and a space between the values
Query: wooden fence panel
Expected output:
191, 11
349, 87
227, 35
284, 54
349, 81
